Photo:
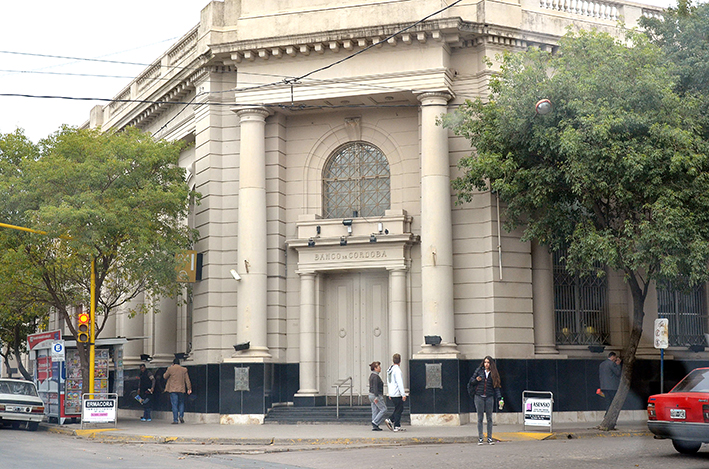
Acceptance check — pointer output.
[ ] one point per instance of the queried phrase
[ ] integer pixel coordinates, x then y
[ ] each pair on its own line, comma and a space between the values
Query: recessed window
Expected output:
686, 312
356, 182
580, 305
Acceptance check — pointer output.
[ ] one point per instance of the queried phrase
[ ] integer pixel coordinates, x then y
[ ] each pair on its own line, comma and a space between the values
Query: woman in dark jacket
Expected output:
376, 396
486, 385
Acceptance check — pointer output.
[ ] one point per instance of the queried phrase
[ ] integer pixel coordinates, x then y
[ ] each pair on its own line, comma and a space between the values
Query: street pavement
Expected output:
291, 437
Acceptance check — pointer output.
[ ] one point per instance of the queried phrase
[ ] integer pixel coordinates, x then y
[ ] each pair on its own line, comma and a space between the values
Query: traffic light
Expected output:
82, 328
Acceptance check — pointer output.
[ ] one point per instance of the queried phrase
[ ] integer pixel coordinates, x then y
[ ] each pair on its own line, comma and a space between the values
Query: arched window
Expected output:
356, 182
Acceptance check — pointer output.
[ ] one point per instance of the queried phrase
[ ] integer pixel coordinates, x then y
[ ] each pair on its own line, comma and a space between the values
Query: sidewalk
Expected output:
319, 435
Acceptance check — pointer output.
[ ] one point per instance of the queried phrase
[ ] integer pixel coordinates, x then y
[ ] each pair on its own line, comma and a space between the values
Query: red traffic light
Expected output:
82, 328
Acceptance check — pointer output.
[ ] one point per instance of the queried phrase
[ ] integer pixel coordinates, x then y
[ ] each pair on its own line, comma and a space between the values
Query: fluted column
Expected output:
308, 351
436, 227
252, 264
398, 324
543, 300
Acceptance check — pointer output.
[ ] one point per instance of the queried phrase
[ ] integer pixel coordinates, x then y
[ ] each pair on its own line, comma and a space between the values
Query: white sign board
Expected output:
537, 412
99, 410
662, 334
58, 351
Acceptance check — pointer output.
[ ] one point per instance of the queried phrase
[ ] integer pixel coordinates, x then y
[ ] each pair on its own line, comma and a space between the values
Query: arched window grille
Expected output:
356, 182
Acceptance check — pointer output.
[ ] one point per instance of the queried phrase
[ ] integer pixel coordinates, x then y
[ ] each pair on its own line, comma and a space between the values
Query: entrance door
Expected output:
356, 310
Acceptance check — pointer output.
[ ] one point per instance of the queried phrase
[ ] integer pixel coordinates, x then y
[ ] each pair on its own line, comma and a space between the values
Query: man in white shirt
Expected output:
397, 393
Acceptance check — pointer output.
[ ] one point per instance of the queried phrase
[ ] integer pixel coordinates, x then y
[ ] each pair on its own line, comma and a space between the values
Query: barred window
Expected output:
356, 182
685, 311
580, 306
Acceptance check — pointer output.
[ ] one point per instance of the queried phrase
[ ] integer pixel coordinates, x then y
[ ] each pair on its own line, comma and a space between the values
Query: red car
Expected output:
683, 413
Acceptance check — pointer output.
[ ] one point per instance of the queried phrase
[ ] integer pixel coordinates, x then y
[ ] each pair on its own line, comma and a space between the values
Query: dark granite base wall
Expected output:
573, 382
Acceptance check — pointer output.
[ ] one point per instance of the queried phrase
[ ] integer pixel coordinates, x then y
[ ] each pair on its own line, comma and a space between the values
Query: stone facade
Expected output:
266, 92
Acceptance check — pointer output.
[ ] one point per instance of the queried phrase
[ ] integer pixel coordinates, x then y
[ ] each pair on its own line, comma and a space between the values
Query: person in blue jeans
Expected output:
486, 386
146, 391
178, 382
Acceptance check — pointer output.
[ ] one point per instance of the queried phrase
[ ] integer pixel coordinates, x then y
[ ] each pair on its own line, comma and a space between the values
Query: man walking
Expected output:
178, 381
146, 389
395, 385
609, 377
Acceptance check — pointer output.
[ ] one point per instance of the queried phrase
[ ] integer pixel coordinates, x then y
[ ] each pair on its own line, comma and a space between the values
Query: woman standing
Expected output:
487, 390
376, 396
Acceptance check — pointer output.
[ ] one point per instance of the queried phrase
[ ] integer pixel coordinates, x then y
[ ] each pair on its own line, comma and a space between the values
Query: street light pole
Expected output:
92, 328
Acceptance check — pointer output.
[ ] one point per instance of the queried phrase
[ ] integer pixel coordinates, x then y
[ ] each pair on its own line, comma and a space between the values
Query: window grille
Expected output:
686, 312
580, 306
356, 182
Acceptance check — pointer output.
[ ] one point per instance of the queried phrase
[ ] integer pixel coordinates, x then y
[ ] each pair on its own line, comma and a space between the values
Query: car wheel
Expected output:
32, 426
686, 447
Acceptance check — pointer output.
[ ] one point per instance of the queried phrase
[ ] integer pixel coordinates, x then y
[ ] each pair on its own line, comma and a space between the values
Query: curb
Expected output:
106, 436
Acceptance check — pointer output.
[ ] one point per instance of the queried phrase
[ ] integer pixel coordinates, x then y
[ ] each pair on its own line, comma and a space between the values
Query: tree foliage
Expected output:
22, 309
617, 172
119, 199
683, 36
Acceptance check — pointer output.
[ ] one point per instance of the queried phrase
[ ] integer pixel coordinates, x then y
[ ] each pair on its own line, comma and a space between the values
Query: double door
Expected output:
357, 331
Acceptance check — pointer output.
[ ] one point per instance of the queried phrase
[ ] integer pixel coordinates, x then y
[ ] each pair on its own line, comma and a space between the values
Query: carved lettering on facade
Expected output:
354, 255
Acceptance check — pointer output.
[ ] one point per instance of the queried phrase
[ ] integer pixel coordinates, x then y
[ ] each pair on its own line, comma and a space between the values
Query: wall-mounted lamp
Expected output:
596, 348
145, 357
348, 223
343, 241
372, 238
242, 346
432, 339
235, 274
311, 242
380, 227
317, 230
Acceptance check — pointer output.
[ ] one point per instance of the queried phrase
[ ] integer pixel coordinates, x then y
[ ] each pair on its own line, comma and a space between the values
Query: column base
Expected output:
308, 400
253, 354
442, 351
545, 350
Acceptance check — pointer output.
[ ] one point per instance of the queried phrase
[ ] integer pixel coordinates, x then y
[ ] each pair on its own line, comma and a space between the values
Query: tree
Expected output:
682, 35
119, 199
617, 172
22, 309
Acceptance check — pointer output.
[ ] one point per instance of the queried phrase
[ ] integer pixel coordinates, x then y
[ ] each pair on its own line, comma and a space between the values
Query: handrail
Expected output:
338, 384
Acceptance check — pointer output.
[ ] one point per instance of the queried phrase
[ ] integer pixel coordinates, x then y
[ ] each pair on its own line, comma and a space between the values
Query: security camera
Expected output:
347, 222
235, 274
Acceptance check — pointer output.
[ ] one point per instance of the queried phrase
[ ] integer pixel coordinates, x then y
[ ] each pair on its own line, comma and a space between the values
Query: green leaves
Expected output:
617, 171
118, 198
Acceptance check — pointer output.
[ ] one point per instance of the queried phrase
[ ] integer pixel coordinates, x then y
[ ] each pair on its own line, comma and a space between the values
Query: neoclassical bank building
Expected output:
329, 233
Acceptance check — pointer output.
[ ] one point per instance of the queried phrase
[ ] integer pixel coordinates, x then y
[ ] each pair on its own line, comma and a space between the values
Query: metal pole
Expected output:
662, 371
92, 328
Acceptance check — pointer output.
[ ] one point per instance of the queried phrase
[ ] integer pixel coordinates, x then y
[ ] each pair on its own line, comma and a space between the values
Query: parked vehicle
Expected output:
682, 414
20, 403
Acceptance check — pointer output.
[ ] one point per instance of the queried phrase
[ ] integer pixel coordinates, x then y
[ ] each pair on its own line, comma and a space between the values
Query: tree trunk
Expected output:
17, 351
628, 356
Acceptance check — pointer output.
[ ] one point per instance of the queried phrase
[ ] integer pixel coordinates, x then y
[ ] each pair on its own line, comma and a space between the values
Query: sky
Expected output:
137, 31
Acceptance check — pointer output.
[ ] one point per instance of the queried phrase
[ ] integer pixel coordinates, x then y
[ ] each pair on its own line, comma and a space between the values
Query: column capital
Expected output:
440, 98
252, 113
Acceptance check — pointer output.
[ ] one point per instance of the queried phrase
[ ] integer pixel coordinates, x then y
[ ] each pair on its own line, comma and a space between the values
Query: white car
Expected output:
19, 402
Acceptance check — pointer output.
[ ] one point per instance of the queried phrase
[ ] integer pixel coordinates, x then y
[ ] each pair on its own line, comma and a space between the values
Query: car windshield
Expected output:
696, 381
17, 387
